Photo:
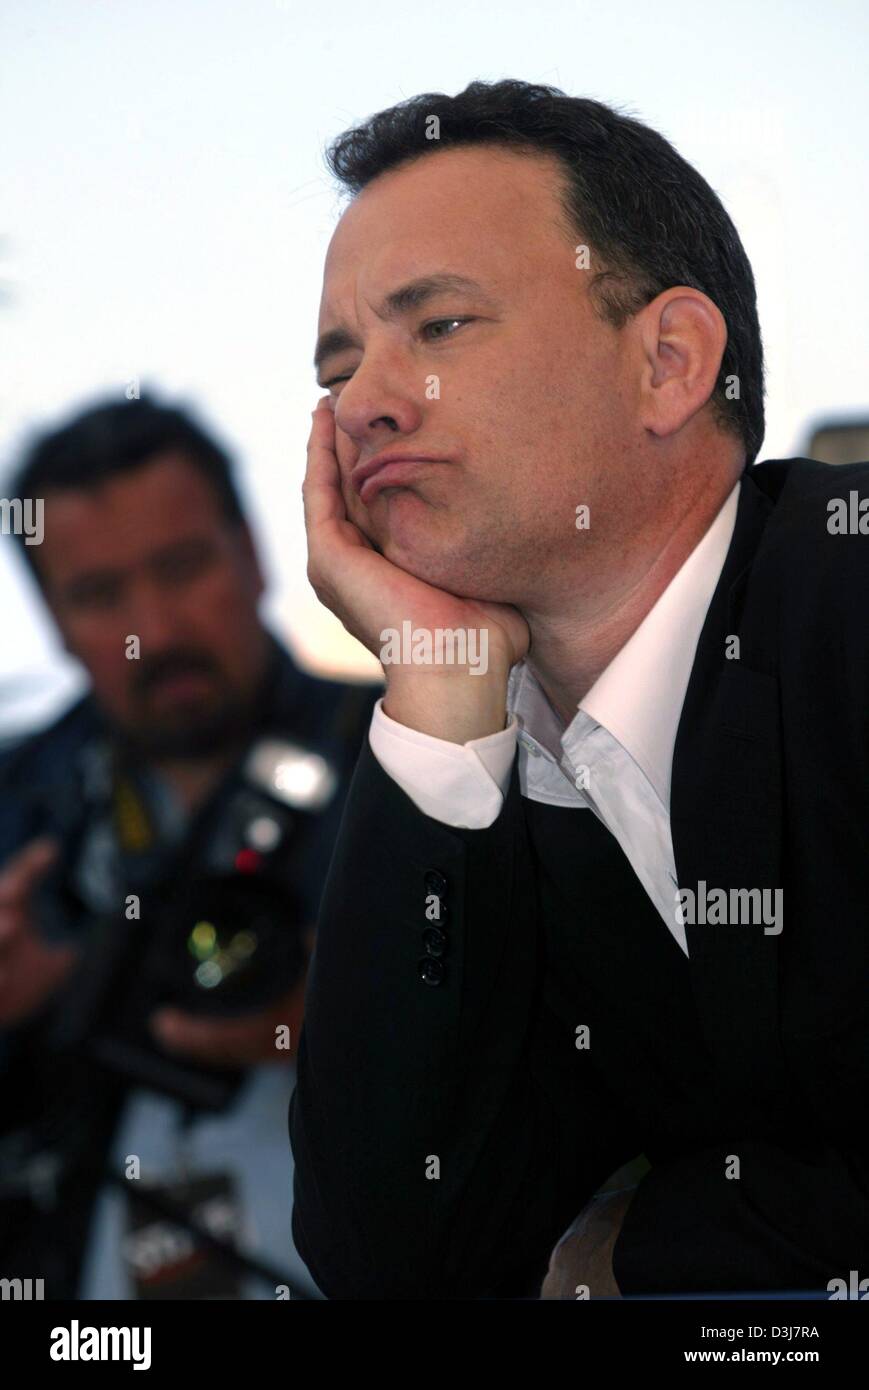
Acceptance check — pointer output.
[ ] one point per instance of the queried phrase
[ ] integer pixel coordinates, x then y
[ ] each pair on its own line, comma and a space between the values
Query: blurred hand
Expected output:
242, 1041
584, 1255
31, 969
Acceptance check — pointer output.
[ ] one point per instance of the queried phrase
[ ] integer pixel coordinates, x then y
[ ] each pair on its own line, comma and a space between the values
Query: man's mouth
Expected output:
182, 686
388, 470
174, 678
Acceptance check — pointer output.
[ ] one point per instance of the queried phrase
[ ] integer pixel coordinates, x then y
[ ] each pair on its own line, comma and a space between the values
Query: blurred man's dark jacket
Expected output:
58, 782
41, 778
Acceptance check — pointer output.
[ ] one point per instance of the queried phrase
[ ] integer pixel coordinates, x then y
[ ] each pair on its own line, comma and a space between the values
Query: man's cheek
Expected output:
360, 516
118, 691
356, 509
346, 451
347, 457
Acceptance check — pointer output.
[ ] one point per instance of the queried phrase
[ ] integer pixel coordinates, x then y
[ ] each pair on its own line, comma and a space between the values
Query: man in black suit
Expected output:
602, 880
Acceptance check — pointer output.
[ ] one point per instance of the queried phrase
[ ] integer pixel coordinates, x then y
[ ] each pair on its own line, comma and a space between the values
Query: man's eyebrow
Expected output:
89, 579
109, 574
410, 296
336, 340
416, 292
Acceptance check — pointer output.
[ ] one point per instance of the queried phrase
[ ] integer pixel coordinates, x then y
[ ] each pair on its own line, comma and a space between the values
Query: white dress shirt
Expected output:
616, 755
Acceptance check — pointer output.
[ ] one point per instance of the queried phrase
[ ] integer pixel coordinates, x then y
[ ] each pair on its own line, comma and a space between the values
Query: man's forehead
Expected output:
169, 474
487, 224
168, 493
471, 204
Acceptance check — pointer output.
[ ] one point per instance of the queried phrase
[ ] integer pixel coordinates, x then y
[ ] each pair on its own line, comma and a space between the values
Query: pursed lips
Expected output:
394, 470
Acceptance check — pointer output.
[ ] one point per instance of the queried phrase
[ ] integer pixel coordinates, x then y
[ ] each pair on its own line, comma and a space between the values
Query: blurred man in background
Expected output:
162, 849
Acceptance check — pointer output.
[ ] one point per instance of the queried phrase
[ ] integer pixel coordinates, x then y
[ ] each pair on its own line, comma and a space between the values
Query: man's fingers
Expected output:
199, 1038
322, 487
247, 1037
23, 871
208, 1039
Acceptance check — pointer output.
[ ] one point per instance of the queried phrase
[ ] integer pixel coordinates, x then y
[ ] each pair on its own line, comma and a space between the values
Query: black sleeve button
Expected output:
435, 941
431, 971
435, 882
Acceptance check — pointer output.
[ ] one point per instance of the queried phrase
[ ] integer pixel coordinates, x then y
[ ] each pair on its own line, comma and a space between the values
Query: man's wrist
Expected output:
456, 706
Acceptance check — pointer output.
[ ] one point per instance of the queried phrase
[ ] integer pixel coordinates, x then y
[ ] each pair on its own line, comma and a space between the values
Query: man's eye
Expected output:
94, 594
183, 564
439, 323
426, 327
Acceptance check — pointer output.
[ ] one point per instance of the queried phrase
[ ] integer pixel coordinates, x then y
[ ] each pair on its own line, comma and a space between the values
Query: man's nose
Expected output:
154, 619
380, 399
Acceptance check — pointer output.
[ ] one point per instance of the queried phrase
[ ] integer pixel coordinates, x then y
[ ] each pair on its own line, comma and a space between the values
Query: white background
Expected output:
165, 209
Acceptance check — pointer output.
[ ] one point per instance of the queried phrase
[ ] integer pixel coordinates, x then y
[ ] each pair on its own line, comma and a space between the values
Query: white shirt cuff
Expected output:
460, 784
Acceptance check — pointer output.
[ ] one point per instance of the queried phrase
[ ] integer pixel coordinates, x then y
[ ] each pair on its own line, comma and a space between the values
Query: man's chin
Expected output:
456, 574
190, 735
414, 542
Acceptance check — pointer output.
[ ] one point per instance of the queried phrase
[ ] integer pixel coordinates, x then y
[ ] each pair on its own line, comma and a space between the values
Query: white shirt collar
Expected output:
638, 698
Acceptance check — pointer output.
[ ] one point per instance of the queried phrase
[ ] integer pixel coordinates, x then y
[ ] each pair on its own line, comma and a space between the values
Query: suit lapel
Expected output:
726, 809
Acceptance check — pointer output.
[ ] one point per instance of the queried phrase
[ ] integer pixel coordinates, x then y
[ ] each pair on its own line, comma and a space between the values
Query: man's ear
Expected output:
682, 336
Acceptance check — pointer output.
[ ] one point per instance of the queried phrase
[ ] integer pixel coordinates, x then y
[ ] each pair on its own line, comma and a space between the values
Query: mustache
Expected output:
156, 669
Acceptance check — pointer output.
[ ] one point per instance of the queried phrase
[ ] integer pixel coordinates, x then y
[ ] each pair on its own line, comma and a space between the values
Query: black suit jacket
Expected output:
445, 1125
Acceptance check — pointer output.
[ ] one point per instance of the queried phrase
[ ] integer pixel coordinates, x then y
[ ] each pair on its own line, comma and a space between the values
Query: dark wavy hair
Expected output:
649, 218
115, 437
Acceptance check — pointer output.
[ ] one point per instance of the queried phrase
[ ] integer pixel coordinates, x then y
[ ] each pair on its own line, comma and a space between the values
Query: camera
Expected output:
218, 931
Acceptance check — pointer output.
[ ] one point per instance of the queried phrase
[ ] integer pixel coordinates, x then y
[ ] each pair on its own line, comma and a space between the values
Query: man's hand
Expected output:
581, 1265
31, 969
236, 1042
369, 594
